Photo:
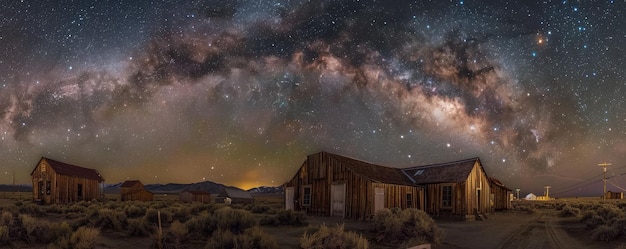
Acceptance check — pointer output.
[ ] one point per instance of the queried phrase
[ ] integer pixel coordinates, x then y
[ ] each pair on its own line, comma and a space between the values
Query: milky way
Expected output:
239, 92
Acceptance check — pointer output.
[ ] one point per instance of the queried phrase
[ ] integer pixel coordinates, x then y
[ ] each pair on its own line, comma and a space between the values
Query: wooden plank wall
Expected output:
501, 197
320, 172
64, 189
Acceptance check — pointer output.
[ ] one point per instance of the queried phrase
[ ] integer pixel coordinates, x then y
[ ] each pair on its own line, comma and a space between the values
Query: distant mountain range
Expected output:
170, 188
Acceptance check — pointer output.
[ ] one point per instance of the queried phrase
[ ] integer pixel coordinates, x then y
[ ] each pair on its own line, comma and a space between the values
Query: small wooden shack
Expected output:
332, 185
195, 196
614, 195
134, 190
454, 189
500, 195
56, 182
232, 195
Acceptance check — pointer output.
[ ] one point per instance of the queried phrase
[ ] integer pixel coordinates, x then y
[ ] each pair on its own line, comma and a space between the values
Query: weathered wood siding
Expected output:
190, 197
501, 197
138, 195
468, 196
320, 172
61, 189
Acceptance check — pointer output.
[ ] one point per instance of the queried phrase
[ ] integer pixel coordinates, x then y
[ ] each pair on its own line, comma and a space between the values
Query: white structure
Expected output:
531, 196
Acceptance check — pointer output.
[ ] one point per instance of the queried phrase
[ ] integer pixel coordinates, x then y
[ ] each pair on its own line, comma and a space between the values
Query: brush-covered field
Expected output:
169, 223
110, 223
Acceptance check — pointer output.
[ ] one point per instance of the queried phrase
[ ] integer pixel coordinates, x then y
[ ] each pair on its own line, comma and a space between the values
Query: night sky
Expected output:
239, 92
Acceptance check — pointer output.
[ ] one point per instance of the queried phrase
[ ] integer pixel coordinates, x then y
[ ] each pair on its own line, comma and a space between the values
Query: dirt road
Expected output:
508, 230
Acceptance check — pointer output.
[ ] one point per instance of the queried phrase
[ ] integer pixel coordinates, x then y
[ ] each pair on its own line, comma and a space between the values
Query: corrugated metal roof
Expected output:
72, 170
457, 171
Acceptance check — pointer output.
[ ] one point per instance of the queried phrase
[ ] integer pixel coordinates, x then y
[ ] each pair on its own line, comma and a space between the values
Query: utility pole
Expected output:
547, 192
603, 165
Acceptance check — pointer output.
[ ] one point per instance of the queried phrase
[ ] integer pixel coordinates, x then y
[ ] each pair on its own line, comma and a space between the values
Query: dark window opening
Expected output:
48, 187
306, 195
446, 196
409, 200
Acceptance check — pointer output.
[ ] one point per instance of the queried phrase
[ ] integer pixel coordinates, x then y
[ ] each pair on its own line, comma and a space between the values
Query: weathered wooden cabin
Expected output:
56, 182
232, 195
614, 195
331, 185
195, 196
455, 189
500, 195
134, 190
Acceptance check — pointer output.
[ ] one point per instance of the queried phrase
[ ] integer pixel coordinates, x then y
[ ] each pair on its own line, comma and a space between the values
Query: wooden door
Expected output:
338, 200
289, 198
379, 199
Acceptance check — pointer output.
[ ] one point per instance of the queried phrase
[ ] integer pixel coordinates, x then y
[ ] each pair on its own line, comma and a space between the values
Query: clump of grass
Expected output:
335, 237
235, 220
253, 237
410, 226
32, 209
5, 237
85, 238
6, 219
152, 216
33, 230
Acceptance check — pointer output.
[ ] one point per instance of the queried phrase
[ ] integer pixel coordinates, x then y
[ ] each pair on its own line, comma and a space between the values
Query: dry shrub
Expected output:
5, 238
410, 226
251, 238
112, 219
605, 233
259, 208
609, 211
139, 227
32, 209
235, 220
134, 211
335, 237
34, 230
285, 217
181, 213
6, 219
85, 237
152, 216
59, 233
568, 211
591, 220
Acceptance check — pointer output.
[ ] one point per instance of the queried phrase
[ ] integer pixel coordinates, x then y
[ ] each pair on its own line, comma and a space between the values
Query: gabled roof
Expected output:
235, 193
457, 171
130, 183
71, 170
498, 183
372, 172
196, 192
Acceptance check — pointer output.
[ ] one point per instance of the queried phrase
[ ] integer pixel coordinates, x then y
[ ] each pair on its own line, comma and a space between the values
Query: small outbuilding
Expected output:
195, 196
232, 195
614, 195
56, 182
134, 190
500, 195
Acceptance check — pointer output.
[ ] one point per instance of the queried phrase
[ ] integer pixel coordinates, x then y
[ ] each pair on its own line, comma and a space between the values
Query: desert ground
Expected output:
567, 223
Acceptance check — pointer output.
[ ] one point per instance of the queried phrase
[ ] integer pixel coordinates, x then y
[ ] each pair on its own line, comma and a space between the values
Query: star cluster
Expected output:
239, 92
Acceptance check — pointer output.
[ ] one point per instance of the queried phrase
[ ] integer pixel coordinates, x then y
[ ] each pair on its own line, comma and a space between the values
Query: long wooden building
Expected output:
58, 182
331, 185
189, 195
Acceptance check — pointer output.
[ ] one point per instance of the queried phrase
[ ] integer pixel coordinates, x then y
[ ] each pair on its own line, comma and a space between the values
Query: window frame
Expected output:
409, 200
307, 197
447, 195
